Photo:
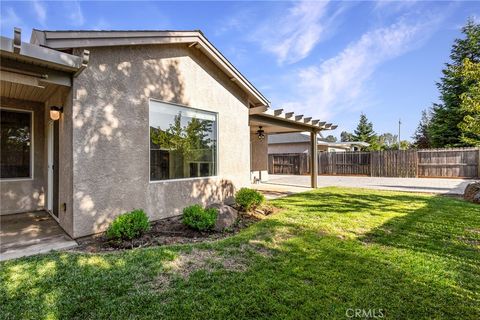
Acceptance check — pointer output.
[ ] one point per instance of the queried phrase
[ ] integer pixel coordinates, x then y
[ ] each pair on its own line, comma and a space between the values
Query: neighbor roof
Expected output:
301, 137
295, 137
68, 39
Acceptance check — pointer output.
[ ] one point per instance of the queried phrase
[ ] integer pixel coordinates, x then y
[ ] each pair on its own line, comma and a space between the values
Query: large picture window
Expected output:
16, 144
183, 142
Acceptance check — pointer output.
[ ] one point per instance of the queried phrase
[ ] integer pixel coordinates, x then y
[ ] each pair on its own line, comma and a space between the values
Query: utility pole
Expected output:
399, 139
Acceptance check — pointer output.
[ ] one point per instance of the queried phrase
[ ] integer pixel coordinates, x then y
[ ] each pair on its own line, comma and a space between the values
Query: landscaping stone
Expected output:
472, 192
226, 216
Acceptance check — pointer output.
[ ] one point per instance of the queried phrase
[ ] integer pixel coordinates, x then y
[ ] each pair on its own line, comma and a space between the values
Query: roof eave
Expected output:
35, 54
85, 39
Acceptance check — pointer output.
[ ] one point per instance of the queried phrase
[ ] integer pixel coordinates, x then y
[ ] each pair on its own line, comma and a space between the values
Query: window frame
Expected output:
217, 135
32, 145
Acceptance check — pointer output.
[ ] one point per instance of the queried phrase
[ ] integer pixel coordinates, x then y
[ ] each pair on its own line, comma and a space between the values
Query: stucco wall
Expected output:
22, 195
63, 97
111, 132
259, 158
289, 148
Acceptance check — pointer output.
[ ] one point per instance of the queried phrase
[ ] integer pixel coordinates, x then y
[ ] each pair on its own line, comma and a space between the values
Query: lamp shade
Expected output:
55, 112
260, 133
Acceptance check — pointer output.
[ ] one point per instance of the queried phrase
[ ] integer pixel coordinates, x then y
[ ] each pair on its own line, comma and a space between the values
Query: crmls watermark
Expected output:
365, 313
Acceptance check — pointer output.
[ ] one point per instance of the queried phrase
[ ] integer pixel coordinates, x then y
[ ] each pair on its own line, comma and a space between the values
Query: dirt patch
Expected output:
470, 241
187, 263
165, 232
477, 231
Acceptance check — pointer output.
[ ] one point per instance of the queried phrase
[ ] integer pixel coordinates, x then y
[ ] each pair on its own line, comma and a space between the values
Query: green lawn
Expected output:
331, 250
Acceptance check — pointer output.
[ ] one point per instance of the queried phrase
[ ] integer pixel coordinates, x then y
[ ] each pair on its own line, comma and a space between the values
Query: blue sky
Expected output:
326, 59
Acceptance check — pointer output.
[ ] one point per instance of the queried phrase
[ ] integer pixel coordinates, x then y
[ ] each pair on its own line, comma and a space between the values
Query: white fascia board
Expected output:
39, 54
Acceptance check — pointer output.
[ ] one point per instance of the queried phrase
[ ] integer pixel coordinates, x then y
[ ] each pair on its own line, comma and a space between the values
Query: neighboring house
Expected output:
97, 123
299, 142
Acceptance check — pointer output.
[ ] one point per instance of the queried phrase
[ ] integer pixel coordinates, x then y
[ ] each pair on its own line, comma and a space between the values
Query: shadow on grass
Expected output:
417, 259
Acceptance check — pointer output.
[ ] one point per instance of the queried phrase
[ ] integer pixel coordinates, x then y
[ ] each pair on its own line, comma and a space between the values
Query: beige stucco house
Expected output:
96, 123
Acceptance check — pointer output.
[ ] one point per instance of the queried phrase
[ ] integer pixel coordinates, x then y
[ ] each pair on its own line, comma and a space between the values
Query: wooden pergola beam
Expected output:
257, 110
313, 158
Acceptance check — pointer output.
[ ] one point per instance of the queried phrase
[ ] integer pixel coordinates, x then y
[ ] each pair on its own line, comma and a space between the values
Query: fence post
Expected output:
416, 163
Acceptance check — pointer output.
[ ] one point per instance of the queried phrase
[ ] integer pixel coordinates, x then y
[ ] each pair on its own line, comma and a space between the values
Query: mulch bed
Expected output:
168, 231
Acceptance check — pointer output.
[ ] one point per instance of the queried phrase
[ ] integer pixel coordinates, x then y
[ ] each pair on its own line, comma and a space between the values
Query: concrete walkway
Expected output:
26, 234
273, 191
429, 185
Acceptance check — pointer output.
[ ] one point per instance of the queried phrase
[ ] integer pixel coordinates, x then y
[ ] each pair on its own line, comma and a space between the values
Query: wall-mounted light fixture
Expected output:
55, 112
260, 133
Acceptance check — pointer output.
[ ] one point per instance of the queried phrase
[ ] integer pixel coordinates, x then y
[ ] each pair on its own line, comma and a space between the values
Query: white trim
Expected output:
216, 143
184, 179
51, 172
32, 145
50, 155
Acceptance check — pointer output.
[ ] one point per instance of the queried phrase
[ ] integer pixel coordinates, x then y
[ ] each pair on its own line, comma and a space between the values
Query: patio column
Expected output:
313, 158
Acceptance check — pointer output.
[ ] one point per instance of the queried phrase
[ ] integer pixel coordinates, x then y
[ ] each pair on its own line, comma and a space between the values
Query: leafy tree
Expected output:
421, 137
404, 145
346, 136
387, 141
189, 141
364, 132
470, 103
330, 138
444, 129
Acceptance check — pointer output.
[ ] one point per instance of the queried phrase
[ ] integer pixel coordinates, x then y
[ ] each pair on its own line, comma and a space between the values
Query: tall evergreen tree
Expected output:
364, 131
470, 103
421, 137
444, 129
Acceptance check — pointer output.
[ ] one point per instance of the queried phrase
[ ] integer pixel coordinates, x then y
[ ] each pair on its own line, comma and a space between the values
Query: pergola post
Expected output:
313, 158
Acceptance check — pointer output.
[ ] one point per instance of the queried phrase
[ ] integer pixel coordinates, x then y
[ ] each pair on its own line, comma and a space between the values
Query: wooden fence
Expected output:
289, 163
450, 163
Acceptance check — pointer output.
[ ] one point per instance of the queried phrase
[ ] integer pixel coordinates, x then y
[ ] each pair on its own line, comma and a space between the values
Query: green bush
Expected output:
128, 225
249, 198
199, 218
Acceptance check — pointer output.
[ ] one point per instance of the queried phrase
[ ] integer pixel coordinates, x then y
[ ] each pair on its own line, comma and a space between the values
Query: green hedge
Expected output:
197, 217
249, 198
128, 225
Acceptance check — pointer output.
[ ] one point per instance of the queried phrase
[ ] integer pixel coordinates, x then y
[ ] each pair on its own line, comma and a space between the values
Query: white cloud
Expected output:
9, 20
340, 83
75, 13
40, 11
292, 37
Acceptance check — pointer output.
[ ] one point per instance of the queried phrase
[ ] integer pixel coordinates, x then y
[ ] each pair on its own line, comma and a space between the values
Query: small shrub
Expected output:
129, 225
249, 198
199, 218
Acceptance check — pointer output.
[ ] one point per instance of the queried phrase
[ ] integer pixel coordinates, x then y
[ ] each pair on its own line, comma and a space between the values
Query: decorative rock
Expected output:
226, 216
472, 192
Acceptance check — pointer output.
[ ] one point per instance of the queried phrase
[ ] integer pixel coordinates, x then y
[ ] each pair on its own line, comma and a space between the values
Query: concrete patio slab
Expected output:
273, 191
428, 185
26, 234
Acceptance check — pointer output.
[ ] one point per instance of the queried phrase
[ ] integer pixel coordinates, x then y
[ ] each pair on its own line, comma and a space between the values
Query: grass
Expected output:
401, 255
